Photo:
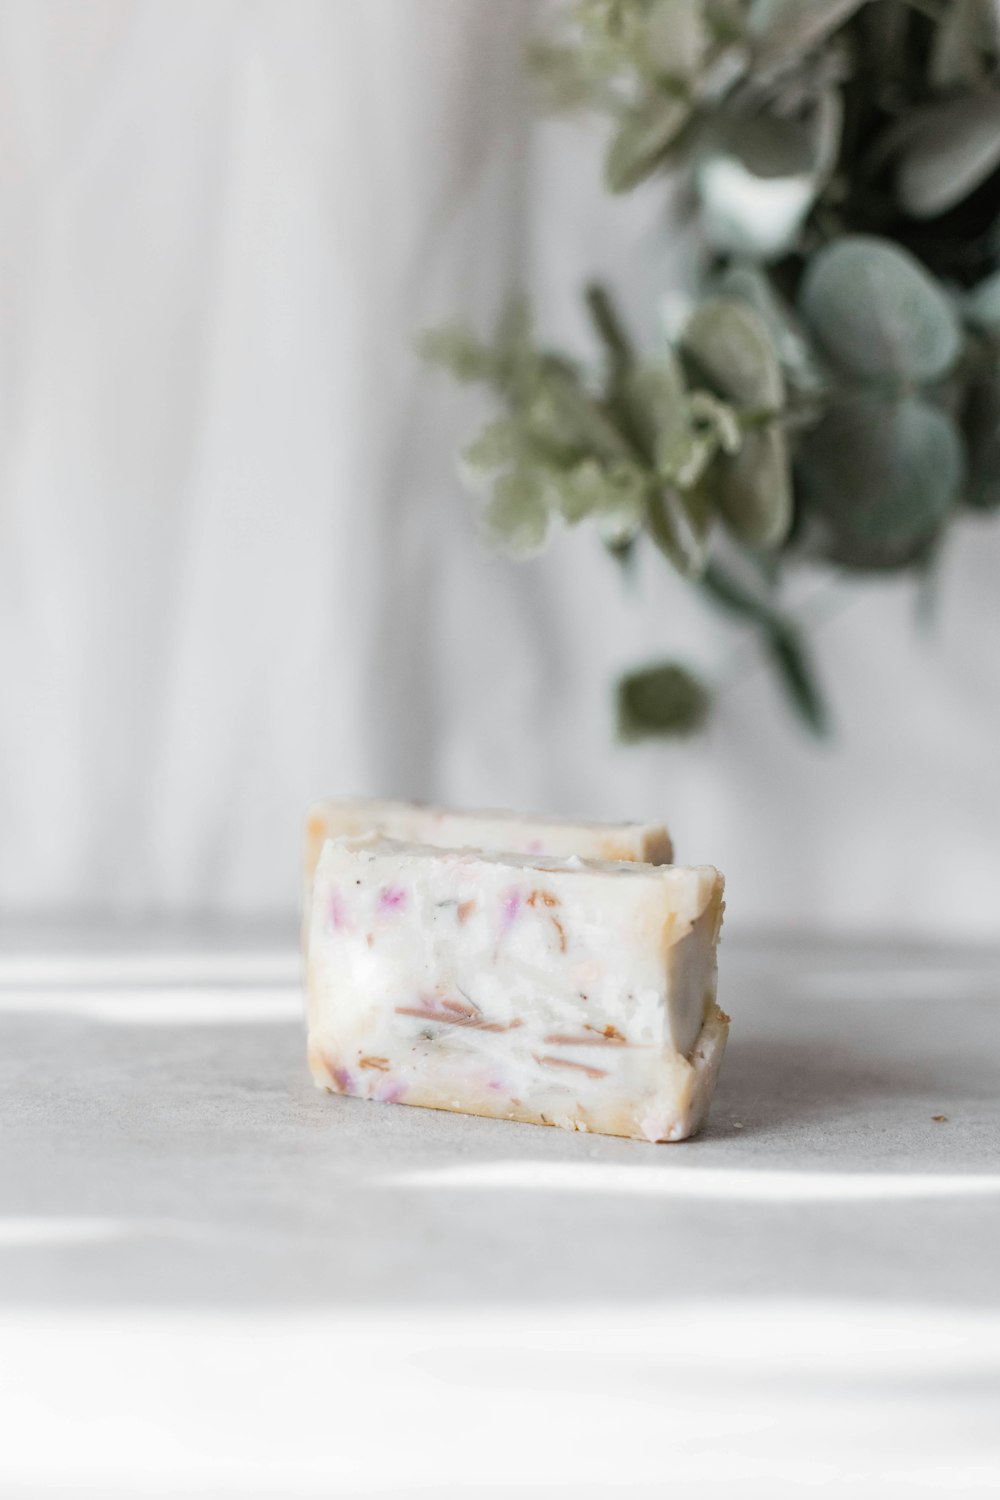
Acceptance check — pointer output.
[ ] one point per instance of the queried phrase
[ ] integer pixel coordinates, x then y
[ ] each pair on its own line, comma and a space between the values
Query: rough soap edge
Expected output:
687, 1114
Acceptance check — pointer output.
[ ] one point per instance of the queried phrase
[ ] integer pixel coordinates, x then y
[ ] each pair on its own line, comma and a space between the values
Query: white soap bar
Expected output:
417, 823
568, 992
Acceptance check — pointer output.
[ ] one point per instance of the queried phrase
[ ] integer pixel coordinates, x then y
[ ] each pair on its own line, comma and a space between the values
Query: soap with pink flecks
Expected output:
451, 828
571, 992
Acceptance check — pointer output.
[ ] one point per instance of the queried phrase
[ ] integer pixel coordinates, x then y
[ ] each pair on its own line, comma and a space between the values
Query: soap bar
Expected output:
415, 822
567, 992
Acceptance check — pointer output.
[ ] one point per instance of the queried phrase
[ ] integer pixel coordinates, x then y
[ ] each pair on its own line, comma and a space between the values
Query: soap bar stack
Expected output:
446, 828
538, 986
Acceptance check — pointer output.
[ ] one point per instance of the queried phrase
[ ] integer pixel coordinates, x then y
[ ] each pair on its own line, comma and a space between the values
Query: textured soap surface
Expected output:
485, 828
562, 992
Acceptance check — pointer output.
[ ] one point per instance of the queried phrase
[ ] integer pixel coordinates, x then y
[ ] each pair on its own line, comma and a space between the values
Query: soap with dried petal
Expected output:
570, 992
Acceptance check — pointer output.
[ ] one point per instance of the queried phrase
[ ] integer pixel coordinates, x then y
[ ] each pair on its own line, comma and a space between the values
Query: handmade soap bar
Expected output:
336, 817
563, 992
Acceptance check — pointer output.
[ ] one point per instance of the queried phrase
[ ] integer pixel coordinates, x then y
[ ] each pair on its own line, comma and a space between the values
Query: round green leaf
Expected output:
882, 476
516, 516
878, 313
642, 140
749, 284
762, 174
680, 523
950, 149
730, 347
656, 395
982, 305
754, 488
660, 700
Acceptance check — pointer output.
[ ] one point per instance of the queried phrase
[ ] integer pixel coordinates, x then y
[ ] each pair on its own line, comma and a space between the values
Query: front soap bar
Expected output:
573, 992
414, 822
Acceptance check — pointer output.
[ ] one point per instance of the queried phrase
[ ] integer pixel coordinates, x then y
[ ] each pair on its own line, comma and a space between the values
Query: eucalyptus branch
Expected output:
835, 392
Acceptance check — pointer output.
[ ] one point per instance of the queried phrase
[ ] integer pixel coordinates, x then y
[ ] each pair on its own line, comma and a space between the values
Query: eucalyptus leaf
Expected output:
982, 305
782, 30
878, 313
680, 524
642, 140
883, 477
656, 393
951, 148
673, 38
754, 489
498, 444
965, 43
729, 345
516, 516
456, 348
761, 174
750, 284
661, 700
614, 496
562, 413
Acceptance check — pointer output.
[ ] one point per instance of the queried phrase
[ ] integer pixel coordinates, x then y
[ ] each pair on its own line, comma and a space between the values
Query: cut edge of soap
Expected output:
678, 1111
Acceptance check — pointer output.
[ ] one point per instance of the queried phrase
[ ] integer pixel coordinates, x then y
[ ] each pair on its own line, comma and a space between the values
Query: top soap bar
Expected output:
489, 829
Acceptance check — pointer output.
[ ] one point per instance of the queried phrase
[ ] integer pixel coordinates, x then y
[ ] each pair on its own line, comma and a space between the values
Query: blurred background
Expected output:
237, 570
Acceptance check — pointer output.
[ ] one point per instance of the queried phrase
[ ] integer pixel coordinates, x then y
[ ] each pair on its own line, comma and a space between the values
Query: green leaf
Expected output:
562, 414
760, 179
516, 516
457, 349
610, 328
749, 284
782, 30
680, 523
642, 140
882, 477
729, 345
497, 445
878, 313
615, 496
672, 39
982, 305
950, 149
661, 700
788, 652
967, 40
656, 395
755, 489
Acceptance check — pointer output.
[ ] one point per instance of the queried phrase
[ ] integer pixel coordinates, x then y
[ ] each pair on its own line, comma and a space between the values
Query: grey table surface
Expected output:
216, 1280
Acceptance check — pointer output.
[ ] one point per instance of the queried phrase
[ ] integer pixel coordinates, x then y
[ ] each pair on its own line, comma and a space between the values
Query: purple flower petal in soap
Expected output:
391, 898
511, 907
338, 911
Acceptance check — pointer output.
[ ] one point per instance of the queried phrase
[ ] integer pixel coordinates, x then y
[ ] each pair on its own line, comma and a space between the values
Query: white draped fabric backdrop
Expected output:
236, 567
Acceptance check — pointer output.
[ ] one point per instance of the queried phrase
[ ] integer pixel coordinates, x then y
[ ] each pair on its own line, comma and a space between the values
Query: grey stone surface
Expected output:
163, 1145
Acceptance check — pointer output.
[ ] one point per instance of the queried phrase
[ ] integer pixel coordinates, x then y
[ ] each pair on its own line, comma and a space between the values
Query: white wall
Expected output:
235, 567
